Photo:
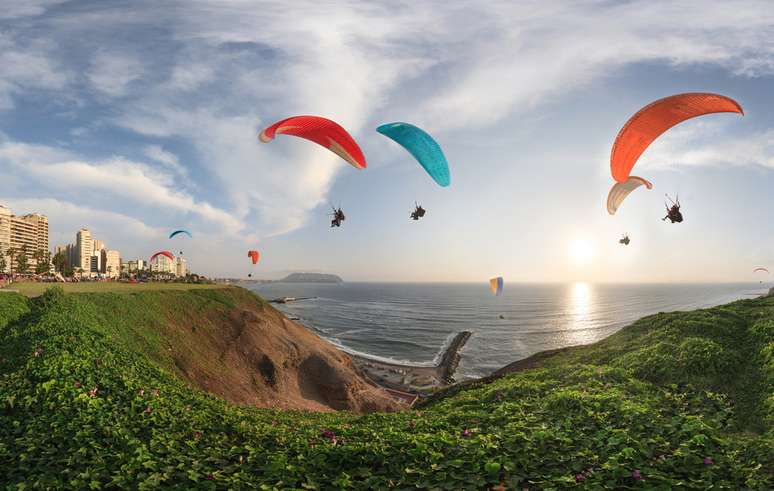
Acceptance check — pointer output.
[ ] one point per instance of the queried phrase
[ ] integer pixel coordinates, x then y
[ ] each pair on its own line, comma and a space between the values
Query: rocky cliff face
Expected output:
258, 357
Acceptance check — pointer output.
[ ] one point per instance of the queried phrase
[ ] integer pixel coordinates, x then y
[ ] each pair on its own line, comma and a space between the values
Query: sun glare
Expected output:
581, 252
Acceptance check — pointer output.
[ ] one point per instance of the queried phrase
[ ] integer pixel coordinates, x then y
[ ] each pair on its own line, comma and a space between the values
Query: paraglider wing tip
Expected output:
264, 137
621, 190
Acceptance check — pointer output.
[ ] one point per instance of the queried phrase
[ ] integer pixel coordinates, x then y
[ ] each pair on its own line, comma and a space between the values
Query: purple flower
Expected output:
708, 461
93, 392
636, 475
328, 434
466, 433
579, 477
210, 477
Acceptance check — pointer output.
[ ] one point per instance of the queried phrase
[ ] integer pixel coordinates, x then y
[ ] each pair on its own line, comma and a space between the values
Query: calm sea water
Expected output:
412, 323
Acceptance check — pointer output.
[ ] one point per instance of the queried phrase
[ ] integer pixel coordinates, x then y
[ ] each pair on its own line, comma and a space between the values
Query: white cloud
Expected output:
112, 72
12, 9
117, 177
706, 145
169, 159
27, 67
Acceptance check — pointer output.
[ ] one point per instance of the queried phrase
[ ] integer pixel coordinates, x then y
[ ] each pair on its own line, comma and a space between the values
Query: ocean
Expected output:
412, 323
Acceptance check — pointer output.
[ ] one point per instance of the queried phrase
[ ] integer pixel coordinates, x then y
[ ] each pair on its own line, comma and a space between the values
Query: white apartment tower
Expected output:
5, 234
28, 233
84, 249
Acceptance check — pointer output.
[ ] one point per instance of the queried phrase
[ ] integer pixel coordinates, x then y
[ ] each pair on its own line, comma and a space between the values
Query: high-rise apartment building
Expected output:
84, 246
180, 266
5, 234
27, 233
111, 263
162, 264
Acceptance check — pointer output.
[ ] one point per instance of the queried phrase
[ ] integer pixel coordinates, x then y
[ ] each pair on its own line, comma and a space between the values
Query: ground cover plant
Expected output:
675, 400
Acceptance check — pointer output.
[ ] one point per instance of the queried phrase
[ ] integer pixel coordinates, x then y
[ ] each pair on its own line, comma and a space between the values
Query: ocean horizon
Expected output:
412, 323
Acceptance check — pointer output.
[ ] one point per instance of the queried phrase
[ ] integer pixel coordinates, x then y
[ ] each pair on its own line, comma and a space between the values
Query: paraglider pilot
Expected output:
624, 240
673, 213
338, 217
418, 212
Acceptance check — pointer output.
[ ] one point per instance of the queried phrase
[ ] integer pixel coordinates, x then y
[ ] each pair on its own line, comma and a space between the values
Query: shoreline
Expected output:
413, 379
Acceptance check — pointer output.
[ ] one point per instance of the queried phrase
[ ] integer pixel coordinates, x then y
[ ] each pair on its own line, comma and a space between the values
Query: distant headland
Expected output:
311, 278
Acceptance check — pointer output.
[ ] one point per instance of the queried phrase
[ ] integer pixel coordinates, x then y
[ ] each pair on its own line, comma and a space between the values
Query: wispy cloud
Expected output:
116, 177
112, 72
169, 159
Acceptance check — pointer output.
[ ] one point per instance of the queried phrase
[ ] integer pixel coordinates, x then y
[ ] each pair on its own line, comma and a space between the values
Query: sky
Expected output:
135, 118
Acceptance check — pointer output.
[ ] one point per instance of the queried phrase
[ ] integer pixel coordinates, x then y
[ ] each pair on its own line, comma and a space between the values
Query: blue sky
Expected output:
136, 118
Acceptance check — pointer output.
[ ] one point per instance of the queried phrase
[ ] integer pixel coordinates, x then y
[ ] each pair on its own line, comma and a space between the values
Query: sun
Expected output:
581, 252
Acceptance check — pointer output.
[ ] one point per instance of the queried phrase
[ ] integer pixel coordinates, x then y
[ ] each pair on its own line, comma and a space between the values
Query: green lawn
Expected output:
32, 290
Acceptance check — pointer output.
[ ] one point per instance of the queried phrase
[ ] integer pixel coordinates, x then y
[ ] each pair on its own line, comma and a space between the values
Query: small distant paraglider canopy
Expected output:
760, 269
322, 131
657, 117
422, 147
163, 253
178, 232
621, 190
253, 255
496, 285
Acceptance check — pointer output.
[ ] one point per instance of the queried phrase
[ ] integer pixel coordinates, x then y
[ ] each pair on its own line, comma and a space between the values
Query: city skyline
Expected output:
526, 100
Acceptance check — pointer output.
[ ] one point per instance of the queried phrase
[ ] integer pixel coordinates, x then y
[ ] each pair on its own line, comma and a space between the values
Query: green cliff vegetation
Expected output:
679, 400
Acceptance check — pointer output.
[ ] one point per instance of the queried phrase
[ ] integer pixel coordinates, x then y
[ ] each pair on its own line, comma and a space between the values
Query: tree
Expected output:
12, 251
42, 261
59, 261
3, 262
22, 263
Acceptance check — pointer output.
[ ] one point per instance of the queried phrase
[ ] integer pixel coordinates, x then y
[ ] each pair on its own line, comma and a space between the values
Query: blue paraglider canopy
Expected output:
422, 146
178, 232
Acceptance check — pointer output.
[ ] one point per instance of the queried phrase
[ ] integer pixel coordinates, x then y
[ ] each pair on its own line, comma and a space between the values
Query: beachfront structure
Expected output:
27, 233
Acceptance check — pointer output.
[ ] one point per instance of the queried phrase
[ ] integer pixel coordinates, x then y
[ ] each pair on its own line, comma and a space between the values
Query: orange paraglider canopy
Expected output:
657, 117
254, 256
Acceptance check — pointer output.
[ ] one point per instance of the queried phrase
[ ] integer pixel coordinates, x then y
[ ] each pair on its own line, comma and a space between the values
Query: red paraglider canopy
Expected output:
657, 117
254, 255
163, 253
322, 131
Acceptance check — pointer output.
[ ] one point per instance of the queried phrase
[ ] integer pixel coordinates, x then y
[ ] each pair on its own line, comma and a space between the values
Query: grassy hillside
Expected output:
675, 400
35, 289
